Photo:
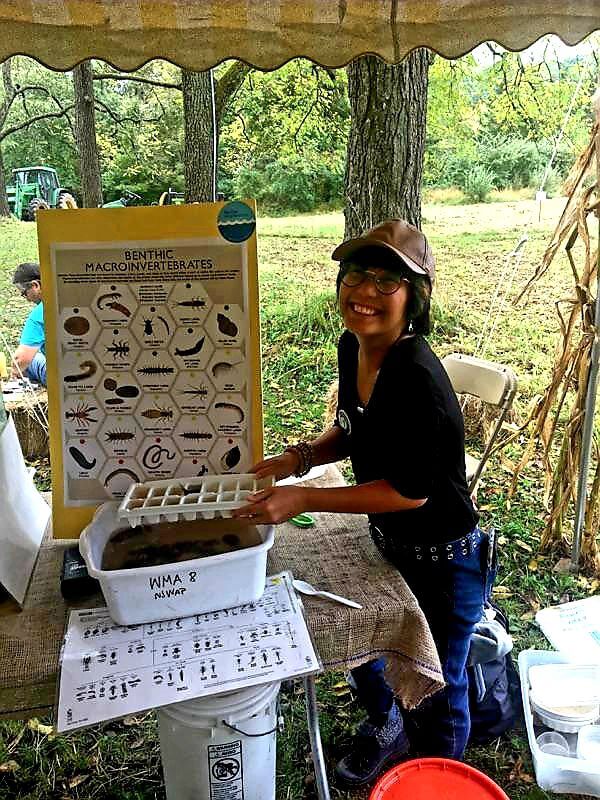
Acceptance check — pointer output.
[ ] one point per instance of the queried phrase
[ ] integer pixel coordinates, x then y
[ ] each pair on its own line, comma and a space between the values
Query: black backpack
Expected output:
494, 688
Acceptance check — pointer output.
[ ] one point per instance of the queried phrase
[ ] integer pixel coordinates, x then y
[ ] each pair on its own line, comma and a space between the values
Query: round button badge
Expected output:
344, 421
236, 222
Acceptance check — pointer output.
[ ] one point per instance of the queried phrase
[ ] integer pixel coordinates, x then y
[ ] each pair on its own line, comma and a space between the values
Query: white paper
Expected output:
24, 516
110, 670
574, 629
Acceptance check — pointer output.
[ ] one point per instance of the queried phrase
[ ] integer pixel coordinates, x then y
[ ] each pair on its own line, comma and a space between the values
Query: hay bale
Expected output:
480, 418
28, 415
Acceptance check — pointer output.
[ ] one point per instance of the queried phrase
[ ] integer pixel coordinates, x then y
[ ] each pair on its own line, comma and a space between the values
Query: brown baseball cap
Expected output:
398, 237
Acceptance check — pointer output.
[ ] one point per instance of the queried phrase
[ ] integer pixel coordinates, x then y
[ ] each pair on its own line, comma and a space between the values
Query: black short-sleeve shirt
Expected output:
411, 434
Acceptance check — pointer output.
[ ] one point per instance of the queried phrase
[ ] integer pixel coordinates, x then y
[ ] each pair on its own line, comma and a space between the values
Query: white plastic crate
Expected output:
561, 774
188, 498
180, 588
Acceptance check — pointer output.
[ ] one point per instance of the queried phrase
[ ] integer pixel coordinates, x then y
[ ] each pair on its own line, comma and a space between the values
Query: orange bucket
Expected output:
436, 779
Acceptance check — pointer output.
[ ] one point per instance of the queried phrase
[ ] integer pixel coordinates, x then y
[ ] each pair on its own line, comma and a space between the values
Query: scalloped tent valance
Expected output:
198, 34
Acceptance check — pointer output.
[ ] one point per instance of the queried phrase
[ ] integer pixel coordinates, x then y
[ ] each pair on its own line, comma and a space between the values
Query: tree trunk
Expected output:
388, 110
4, 209
200, 135
85, 136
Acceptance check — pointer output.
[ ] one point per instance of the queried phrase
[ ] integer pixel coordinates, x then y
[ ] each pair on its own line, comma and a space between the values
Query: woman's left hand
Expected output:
273, 505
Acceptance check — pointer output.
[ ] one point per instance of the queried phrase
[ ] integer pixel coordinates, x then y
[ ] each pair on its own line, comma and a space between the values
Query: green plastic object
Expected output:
303, 521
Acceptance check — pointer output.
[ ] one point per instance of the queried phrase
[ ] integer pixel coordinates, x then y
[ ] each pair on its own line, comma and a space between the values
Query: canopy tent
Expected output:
197, 34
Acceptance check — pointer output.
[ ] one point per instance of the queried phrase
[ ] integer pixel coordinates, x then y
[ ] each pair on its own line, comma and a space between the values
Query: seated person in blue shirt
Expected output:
29, 358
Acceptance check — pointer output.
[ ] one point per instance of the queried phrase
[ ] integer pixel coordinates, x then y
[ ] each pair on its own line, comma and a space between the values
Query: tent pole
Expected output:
590, 400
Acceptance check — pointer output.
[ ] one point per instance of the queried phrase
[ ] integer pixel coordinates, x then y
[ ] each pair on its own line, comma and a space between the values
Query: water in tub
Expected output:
169, 542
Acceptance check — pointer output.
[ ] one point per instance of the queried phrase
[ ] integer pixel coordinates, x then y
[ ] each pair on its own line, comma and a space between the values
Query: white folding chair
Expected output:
492, 383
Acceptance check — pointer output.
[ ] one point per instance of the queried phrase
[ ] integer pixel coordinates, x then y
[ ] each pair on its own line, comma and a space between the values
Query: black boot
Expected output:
373, 749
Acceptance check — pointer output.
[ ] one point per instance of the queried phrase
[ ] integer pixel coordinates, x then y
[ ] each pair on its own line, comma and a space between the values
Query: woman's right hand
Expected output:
281, 466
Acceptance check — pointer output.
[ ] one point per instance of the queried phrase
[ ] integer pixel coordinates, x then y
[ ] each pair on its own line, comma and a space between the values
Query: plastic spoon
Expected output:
305, 588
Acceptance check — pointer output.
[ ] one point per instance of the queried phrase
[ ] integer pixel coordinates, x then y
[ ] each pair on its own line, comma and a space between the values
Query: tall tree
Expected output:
200, 135
384, 166
85, 135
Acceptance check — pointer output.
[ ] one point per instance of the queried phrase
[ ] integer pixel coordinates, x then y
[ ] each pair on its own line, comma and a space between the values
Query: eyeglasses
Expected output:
385, 282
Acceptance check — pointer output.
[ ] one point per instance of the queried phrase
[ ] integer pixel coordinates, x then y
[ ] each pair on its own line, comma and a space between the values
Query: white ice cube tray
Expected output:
188, 498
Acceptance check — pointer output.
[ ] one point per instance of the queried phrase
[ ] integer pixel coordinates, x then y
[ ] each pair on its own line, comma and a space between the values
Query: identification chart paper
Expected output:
110, 670
153, 349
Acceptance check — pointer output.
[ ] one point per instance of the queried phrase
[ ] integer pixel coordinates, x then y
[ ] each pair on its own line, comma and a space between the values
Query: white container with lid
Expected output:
181, 588
567, 719
574, 684
553, 772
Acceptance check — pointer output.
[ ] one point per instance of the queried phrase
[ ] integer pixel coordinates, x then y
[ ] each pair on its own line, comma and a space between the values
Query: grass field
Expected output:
120, 761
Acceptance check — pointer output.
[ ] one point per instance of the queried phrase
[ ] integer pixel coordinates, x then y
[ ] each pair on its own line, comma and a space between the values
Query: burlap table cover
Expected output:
337, 555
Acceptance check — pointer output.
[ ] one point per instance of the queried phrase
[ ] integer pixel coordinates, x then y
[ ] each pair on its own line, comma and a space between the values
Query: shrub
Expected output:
478, 183
291, 184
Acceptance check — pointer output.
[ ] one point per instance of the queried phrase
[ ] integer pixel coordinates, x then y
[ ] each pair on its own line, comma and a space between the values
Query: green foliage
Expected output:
282, 137
504, 119
292, 184
478, 183
47, 142
283, 140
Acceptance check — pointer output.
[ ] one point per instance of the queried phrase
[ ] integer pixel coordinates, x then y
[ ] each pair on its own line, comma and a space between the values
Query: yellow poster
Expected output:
153, 348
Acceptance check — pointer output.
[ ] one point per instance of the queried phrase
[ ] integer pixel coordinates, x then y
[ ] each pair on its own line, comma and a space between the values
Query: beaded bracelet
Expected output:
305, 454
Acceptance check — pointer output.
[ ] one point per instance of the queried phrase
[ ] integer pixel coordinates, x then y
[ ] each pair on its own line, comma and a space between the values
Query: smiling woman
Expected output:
399, 422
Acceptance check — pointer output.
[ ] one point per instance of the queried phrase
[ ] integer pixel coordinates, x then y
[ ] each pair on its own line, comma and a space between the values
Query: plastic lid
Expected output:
432, 778
565, 684
587, 713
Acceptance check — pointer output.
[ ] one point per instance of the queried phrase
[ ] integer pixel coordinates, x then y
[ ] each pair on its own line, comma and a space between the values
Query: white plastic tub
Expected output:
179, 589
561, 774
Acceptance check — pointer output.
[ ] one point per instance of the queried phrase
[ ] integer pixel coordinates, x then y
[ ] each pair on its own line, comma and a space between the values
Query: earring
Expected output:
411, 327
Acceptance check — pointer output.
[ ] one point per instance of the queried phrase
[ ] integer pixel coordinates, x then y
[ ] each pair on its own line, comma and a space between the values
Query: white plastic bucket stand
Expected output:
221, 747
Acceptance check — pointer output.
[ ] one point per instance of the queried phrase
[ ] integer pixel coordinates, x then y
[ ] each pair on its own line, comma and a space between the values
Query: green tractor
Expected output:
35, 188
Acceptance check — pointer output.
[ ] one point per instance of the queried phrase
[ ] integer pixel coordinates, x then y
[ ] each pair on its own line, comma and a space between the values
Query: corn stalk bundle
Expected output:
564, 398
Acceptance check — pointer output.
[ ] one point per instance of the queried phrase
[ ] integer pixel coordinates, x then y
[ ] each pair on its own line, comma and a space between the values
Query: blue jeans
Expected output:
36, 371
451, 595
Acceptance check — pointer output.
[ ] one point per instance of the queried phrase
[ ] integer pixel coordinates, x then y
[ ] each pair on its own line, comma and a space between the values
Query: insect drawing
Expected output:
81, 414
159, 412
118, 349
153, 457
231, 410
226, 325
121, 471
77, 326
127, 391
149, 325
195, 302
191, 351
88, 368
196, 391
112, 302
231, 458
158, 370
81, 459
119, 435
196, 436
221, 368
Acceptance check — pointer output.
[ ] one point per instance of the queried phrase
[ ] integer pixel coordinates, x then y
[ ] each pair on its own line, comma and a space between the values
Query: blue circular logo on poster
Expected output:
236, 222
